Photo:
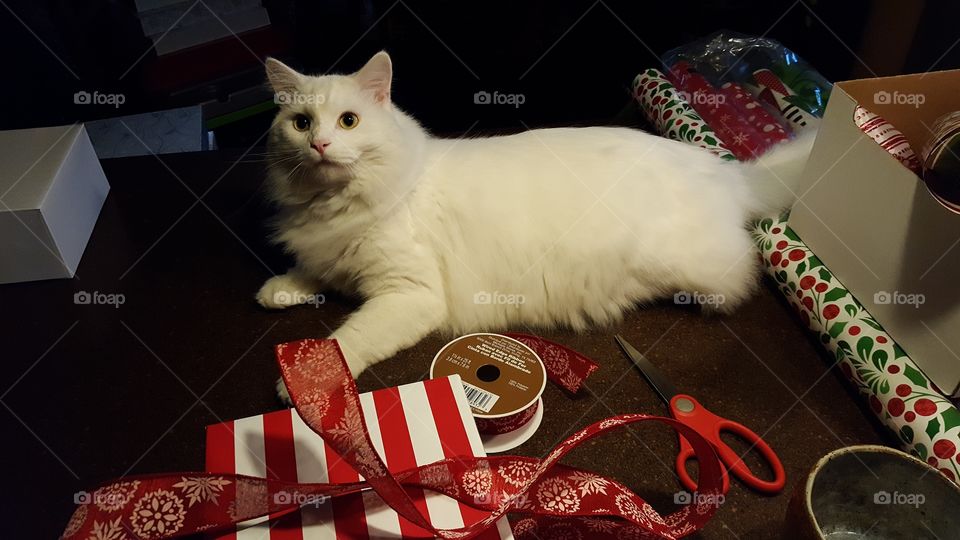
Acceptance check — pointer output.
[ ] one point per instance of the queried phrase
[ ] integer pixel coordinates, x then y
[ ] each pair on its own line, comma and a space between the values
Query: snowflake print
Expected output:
652, 515
77, 520
201, 489
110, 530
525, 526
740, 138
601, 525
308, 356
115, 496
516, 473
314, 404
439, 476
158, 513
571, 381
678, 517
553, 456
349, 426
436, 475
610, 422
555, 359
589, 483
557, 495
477, 482
577, 437
630, 509
369, 463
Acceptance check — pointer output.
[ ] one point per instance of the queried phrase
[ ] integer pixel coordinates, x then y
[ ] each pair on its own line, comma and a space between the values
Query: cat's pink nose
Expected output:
320, 146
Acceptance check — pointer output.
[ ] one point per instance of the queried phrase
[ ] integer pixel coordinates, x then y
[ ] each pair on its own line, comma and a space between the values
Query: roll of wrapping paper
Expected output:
809, 88
887, 136
739, 135
770, 89
672, 116
941, 166
925, 422
768, 125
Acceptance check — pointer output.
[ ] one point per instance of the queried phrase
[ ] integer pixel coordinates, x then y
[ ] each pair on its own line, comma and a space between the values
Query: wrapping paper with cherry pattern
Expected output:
899, 394
672, 116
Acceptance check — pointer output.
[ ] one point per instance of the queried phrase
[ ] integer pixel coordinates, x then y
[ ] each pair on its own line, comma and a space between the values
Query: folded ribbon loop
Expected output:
555, 498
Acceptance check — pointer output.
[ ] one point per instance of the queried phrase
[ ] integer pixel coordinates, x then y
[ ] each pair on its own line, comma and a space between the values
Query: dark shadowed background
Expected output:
573, 61
94, 392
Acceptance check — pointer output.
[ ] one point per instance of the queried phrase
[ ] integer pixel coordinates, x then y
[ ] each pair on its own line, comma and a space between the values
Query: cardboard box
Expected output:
51, 190
876, 227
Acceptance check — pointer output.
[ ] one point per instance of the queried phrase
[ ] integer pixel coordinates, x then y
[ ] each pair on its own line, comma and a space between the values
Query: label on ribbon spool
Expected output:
503, 380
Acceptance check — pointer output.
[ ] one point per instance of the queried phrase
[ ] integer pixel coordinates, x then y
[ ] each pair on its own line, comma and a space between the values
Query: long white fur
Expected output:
578, 224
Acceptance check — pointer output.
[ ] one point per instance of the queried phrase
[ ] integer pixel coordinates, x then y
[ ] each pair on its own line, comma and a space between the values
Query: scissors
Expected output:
690, 412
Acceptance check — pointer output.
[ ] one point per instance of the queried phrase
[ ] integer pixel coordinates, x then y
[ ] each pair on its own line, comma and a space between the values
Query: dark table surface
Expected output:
92, 392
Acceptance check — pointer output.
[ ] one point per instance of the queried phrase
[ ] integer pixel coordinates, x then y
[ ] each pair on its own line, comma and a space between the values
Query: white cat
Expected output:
548, 227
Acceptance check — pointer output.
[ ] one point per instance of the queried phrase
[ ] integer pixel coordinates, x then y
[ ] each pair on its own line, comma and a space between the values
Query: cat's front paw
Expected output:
282, 291
282, 393
356, 368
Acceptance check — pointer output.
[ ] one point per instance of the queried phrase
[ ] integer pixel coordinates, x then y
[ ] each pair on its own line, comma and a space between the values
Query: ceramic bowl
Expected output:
873, 492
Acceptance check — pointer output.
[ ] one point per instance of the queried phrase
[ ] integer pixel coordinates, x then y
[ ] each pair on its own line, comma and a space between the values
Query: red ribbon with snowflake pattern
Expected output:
552, 500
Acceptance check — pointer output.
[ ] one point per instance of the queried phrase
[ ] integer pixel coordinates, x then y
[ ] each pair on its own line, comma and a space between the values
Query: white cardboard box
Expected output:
876, 227
51, 190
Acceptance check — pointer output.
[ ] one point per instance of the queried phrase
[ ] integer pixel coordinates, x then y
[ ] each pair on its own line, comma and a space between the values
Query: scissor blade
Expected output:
654, 376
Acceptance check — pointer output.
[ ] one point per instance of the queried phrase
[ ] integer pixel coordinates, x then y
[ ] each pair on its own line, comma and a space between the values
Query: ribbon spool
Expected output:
503, 380
941, 167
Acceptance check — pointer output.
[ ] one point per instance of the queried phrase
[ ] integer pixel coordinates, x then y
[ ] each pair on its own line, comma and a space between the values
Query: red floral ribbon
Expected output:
557, 500
565, 367
506, 424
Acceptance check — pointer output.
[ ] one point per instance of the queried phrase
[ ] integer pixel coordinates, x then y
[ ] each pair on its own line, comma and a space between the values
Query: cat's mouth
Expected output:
328, 162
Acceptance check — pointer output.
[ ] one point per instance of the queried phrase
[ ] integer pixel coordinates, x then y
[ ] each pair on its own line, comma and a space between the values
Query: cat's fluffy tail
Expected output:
774, 178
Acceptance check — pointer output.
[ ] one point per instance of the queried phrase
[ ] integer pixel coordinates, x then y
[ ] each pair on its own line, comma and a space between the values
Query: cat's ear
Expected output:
375, 77
283, 78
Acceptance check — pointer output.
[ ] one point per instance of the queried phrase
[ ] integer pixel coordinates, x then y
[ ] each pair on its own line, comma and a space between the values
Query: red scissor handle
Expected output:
692, 413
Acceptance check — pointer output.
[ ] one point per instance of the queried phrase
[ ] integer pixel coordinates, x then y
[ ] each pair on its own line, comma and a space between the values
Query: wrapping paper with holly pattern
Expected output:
897, 391
899, 394
672, 116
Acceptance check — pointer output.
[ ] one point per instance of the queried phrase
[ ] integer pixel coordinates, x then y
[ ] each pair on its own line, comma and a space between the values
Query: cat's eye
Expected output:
301, 122
349, 120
